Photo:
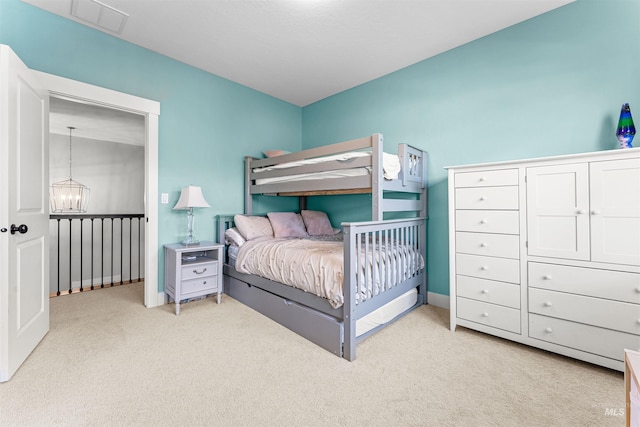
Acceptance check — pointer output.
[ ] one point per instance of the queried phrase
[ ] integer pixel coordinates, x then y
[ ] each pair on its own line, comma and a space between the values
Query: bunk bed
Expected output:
382, 273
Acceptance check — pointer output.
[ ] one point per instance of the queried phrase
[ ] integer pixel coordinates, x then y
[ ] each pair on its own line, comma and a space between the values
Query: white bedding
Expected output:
316, 266
390, 164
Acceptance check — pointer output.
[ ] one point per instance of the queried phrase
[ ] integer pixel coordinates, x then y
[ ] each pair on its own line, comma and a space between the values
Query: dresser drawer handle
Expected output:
483, 245
483, 198
484, 267
485, 291
548, 304
548, 330
547, 277
483, 221
200, 272
638, 290
485, 314
482, 179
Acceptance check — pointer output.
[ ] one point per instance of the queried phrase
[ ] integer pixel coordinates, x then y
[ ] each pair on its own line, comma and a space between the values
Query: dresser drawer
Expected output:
489, 244
619, 316
613, 285
486, 221
500, 293
200, 269
603, 342
484, 267
493, 315
487, 198
487, 178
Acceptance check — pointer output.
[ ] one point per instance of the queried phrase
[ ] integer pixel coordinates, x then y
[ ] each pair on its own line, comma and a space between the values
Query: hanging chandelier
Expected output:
69, 195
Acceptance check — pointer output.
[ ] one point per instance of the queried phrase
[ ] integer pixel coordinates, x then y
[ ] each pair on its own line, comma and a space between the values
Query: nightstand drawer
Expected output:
488, 244
497, 316
487, 198
487, 178
198, 285
199, 270
486, 221
484, 267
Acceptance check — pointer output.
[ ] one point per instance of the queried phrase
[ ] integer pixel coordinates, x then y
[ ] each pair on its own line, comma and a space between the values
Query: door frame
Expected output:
84, 92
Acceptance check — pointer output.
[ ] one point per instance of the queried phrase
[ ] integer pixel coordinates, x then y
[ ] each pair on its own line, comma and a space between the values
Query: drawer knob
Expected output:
200, 272
482, 198
485, 314
638, 289
547, 277
548, 330
482, 179
581, 211
595, 212
548, 304
483, 221
483, 245
484, 267
485, 291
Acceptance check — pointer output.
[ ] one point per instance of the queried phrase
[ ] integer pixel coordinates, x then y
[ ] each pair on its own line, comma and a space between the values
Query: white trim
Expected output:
83, 92
438, 300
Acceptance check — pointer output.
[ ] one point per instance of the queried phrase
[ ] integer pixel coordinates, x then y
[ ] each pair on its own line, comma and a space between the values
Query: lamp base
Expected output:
190, 241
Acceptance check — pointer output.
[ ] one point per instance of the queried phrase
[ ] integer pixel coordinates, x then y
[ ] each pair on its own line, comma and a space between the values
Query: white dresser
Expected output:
546, 252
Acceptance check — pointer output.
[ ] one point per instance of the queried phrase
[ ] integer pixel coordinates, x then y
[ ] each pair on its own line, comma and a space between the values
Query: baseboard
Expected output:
438, 300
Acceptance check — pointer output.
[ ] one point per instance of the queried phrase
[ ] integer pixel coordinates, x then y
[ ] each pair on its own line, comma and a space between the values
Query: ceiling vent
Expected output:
99, 14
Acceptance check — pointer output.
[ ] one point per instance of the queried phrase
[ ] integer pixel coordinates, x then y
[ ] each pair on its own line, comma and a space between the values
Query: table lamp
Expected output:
191, 197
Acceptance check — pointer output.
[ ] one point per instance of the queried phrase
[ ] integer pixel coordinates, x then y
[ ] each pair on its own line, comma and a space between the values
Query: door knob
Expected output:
22, 228
4, 230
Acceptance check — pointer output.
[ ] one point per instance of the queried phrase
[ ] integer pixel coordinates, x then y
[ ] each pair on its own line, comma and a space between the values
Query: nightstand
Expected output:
192, 271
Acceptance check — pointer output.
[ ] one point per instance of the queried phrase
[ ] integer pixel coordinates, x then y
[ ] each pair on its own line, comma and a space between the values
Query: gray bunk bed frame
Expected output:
309, 315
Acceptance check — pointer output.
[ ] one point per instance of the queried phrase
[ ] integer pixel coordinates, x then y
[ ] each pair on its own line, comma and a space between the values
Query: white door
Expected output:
558, 211
24, 211
615, 211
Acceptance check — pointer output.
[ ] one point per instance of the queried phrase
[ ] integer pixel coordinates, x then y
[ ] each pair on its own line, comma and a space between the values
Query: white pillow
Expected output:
233, 237
252, 227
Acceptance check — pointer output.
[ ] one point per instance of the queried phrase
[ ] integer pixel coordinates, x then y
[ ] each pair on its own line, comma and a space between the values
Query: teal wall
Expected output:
207, 123
551, 85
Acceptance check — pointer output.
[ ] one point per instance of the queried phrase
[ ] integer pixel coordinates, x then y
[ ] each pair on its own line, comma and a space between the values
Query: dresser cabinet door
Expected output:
615, 211
558, 211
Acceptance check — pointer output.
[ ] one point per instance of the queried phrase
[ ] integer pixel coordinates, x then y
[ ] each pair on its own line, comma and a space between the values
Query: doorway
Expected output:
79, 92
102, 244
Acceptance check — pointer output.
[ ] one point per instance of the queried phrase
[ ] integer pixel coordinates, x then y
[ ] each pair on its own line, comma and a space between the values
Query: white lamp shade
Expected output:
191, 197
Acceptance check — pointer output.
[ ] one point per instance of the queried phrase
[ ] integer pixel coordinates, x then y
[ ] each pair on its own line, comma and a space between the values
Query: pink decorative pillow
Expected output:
252, 227
287, 224
274, 153
317, 223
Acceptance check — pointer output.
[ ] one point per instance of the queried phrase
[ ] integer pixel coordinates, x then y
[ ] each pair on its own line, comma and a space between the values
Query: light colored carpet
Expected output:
107, 360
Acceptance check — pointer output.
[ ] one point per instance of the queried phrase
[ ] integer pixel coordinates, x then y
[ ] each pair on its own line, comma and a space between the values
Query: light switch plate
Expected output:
165, 198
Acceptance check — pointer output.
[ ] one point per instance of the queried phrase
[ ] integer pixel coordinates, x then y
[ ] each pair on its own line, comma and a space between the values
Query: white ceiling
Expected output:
95, 122
302, 51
